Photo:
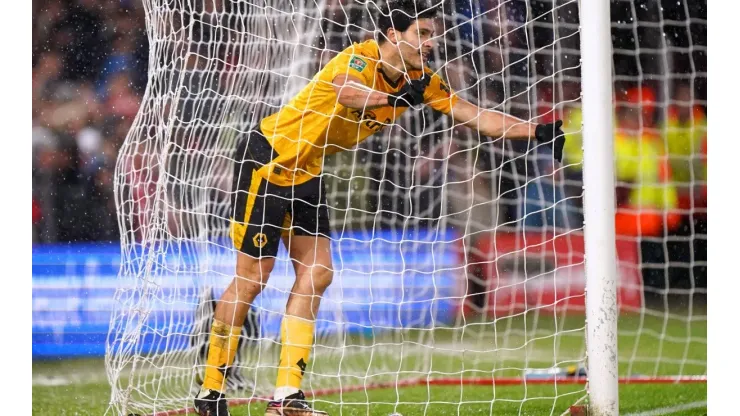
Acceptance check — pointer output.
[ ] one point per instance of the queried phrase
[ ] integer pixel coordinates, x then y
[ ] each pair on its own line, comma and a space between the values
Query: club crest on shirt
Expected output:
357, 63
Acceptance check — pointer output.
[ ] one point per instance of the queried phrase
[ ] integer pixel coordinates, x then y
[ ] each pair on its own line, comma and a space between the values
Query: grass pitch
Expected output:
678, 399
651, 345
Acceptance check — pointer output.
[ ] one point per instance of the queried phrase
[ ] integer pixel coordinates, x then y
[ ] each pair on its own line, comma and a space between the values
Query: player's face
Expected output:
416, 44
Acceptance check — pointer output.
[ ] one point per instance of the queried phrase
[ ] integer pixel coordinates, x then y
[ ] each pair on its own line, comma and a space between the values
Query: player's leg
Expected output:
255, 231
312, 262
231, 311
310, 251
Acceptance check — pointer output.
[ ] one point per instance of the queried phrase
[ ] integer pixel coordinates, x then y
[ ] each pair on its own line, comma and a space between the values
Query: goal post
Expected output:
599, 209
474, 272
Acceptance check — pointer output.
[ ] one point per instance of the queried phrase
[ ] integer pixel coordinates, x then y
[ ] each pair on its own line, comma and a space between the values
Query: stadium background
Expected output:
89, 74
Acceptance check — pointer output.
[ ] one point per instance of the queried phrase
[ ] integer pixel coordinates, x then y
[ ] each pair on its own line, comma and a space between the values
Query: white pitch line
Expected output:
51, 381
85, 378
669, 410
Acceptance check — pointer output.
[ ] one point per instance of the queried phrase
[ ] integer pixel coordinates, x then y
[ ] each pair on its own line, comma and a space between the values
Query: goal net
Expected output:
458, 259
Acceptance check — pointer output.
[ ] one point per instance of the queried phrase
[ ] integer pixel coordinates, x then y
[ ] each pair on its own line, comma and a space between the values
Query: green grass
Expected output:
648, 345
91, 399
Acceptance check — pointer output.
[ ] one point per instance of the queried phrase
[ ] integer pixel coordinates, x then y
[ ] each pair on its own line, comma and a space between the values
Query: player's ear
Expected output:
392, 36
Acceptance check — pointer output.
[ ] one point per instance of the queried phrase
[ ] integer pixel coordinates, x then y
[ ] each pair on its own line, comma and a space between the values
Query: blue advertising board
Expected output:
381, 282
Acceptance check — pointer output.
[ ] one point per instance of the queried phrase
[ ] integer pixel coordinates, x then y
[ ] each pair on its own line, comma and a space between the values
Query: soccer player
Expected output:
279, 193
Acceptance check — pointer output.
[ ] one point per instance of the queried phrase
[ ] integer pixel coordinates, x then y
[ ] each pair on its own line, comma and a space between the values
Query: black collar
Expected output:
390, 82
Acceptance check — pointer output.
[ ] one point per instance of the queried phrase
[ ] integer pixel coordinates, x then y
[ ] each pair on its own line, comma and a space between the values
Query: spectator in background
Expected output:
646, 194
45, 162
121, 59
44, 76
81, 40
45, 20
78, 129
685, 133
121, 100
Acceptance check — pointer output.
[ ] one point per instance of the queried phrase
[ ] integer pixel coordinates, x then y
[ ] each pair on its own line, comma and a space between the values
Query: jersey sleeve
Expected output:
352, 64
439, 96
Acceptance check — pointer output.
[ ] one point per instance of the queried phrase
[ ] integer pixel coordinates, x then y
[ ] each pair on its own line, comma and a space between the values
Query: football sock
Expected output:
297, 340
223, 343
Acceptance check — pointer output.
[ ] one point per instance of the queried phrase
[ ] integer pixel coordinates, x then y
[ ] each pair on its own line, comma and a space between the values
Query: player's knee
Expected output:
314, 282
247, 287
251, 276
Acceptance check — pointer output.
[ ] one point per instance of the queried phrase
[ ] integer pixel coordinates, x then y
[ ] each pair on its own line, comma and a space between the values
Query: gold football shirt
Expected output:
313, 124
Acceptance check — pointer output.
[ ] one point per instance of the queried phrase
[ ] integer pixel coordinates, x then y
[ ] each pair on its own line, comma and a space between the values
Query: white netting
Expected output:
456, 257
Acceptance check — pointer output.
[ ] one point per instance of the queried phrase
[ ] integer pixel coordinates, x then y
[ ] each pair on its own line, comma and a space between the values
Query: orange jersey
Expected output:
313, 124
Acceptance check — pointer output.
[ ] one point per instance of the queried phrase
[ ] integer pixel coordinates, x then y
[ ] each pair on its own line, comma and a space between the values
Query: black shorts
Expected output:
262, 211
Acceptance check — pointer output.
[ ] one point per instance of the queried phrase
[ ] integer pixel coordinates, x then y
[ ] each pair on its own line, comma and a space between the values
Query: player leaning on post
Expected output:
279, 193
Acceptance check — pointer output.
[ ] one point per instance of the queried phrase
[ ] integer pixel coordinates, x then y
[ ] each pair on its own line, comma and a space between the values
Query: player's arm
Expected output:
497, 124
353, 93
352, 76
491, 123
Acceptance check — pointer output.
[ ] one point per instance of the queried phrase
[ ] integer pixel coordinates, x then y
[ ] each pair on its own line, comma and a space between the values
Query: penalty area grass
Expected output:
53, 394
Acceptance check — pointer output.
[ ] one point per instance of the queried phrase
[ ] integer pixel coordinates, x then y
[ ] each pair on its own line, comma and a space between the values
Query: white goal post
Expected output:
461, 261
599, 206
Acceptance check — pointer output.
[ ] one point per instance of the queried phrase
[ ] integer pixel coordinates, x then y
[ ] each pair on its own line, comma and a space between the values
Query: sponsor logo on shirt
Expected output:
370, 120
357, 63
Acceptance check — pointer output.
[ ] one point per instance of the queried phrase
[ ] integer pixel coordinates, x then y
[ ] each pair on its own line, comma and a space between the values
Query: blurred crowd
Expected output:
89, 73
660, 153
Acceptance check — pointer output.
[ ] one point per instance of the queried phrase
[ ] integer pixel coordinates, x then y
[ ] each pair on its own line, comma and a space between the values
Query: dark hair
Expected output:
400, 14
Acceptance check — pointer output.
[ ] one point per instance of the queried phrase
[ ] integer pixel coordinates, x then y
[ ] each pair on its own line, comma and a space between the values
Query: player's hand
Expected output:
411, 94
553, 135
